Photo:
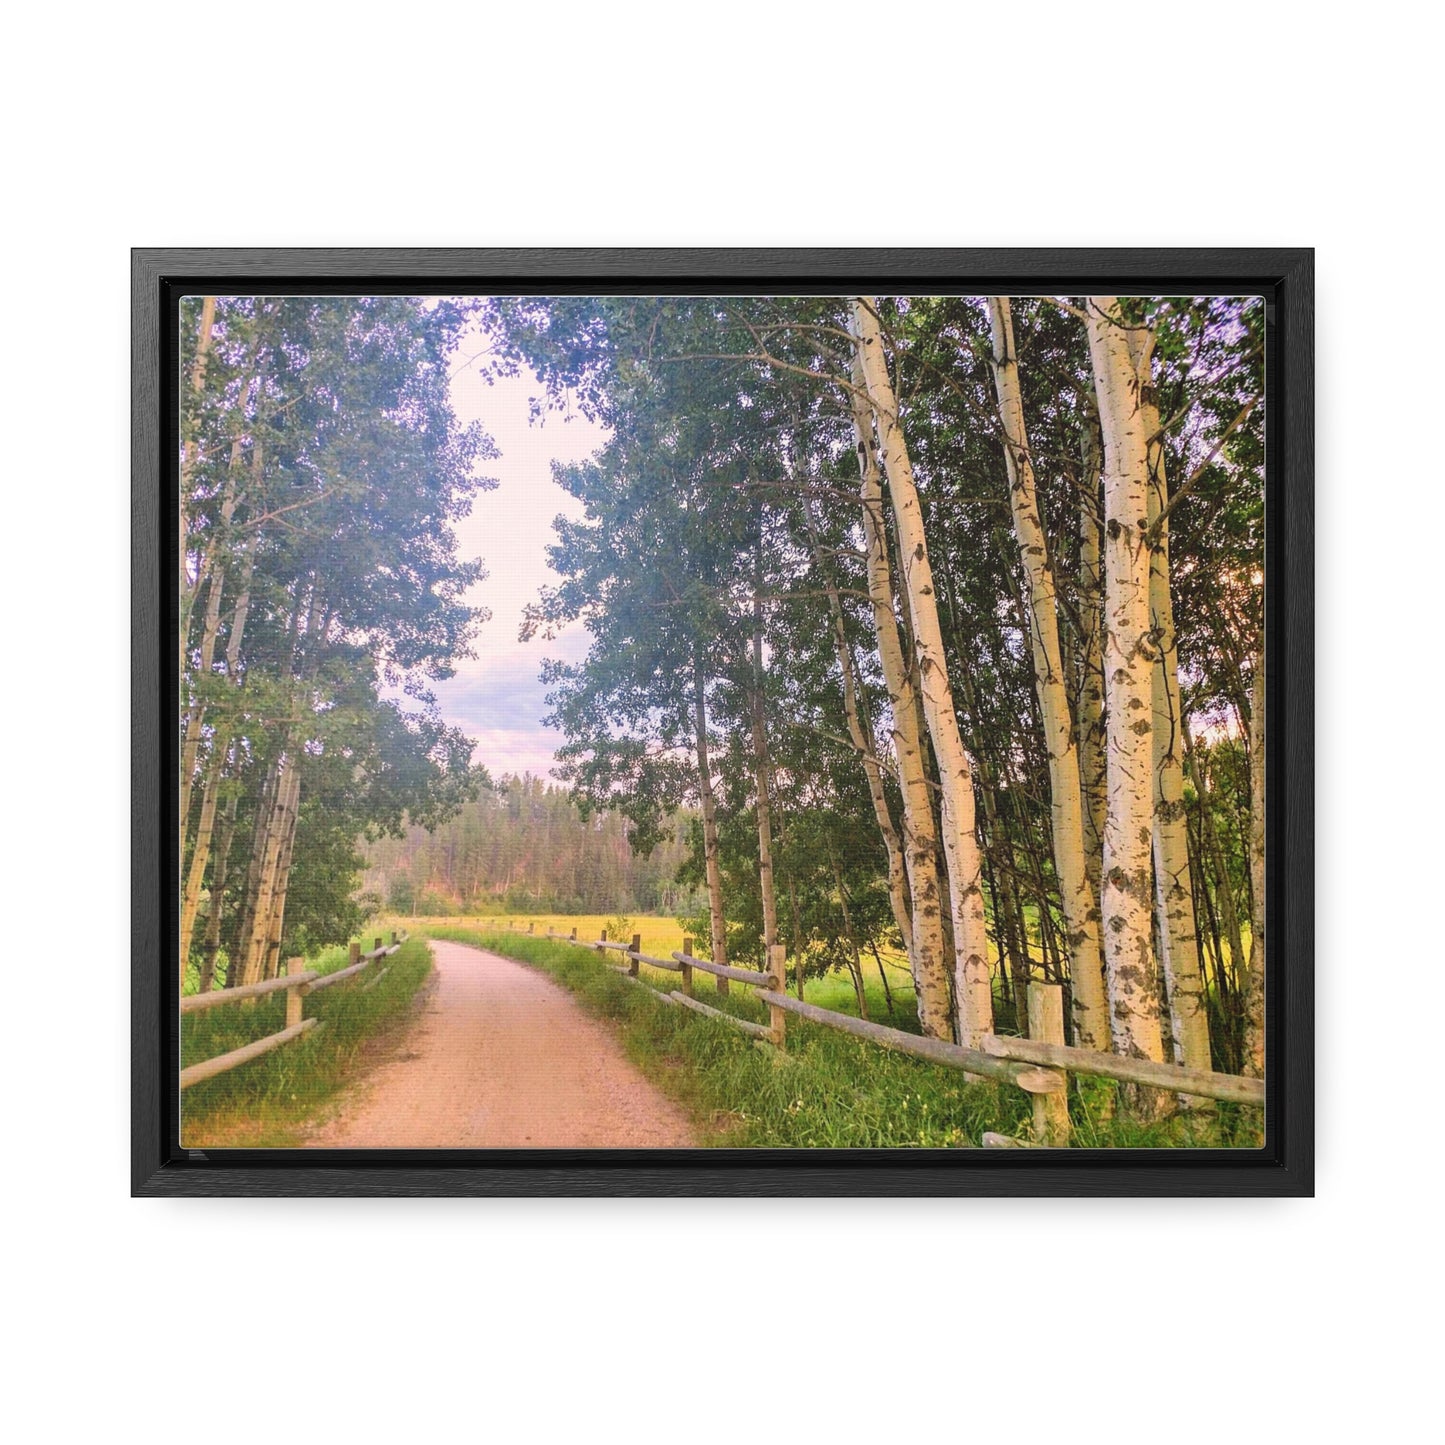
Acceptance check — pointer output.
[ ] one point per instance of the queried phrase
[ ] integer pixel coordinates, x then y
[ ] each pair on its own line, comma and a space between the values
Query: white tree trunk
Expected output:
920, 832
271, 839
212, 572
1093, 752
761, 764
860, 731
711, 867
183, 590
1080, 903
1129, 661
1179, 952
1254, 1000
960, 841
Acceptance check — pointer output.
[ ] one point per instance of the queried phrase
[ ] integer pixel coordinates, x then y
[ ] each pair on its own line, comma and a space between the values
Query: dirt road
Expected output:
500, 1057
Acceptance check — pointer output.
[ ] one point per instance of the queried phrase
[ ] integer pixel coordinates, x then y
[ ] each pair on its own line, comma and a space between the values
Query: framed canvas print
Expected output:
650, 722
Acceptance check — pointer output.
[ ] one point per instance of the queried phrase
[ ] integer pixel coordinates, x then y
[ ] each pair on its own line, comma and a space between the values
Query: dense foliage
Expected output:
723, 571
523, 846
322, 469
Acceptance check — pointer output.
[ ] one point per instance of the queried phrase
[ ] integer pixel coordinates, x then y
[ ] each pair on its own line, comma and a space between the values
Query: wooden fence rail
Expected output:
1039, 1065
298, 983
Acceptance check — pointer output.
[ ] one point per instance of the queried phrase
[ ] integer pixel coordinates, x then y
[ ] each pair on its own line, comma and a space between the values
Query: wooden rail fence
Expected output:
1039, 1065
298, 983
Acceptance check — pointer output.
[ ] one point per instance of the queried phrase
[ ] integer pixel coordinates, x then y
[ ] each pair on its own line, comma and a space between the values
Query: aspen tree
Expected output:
1081, 907
205, 328
860, 733
1178, 934
1093, 752
920, 832
1129, 661
960, 840
761, 765
1254, 999
211, 574
712, 868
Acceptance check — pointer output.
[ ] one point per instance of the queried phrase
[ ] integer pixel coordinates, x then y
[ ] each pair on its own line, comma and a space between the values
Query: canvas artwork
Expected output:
672, 722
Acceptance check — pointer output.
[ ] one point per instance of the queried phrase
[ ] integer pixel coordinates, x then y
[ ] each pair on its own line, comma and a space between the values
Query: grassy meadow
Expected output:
661, 936
266, 1103
827, 1089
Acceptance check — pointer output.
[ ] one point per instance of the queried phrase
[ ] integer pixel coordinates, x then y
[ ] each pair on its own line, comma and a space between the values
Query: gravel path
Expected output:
500, 1057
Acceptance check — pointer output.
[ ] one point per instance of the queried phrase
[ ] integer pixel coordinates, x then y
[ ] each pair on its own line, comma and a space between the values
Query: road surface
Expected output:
500, 1057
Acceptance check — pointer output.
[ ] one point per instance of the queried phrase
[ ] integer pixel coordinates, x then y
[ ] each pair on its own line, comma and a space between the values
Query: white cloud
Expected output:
496, 697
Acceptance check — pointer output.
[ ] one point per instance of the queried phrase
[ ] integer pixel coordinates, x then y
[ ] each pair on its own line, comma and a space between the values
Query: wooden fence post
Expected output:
377, 944
636, 948
393, 935
1046, 1025
353, 954
574, 933
778, 967
294, 1002
601, 941
532, 926
687, 968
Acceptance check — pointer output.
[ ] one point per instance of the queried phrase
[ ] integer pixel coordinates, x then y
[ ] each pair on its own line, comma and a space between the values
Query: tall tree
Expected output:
1129, 661
971, 976
1080, 902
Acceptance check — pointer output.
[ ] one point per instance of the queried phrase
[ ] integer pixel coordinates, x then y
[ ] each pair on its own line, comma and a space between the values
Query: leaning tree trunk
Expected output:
1081, 906
761, 764
860, 731
212, 572
960, 841
1129, 661
1178, 931
200, 851
220, 868
271, 833
711, 866
920, 835
1254, 1000
183, 589
271, 963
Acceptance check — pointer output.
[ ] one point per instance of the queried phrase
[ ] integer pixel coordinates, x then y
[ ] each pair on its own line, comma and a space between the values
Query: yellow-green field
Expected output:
661, 936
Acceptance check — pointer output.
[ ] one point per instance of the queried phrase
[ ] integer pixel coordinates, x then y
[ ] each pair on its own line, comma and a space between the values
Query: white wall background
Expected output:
1237, 123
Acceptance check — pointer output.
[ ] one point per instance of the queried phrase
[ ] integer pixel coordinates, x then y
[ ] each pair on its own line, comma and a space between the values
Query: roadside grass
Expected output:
827, 1089
264, 1104
663, 936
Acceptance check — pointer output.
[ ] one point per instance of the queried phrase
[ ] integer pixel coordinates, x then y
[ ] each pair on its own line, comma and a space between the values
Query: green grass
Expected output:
660, 936
264, 1104
827, 1090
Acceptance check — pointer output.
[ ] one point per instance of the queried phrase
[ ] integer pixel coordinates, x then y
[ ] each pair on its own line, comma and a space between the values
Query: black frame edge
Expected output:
1290, 271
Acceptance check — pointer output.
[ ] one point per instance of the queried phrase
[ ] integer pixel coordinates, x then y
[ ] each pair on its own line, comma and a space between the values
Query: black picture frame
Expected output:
1285, 1167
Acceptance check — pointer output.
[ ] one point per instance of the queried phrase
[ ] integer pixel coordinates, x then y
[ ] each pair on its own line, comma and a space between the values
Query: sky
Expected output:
495, 696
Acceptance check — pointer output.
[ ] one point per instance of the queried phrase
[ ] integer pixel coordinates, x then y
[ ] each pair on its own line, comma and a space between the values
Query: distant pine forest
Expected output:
523, 846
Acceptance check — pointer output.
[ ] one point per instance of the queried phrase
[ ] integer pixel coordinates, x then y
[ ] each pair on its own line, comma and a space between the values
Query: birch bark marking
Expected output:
1081, 908
183, 593
1092, 749
1254, 999
960, 841
709, 820
211, 571
1179, 951
1128, 677
188, 461
920, 837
